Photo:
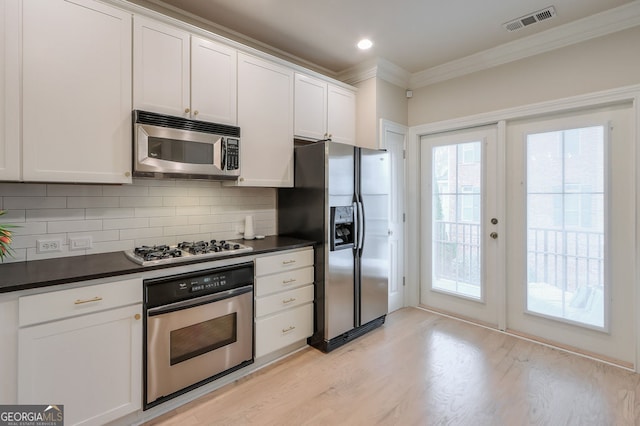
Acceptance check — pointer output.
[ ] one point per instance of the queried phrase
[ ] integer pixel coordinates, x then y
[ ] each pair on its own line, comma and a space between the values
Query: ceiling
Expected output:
415, 35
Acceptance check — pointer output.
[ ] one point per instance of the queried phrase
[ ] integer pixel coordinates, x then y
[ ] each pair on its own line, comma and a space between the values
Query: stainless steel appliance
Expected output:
184, 251
175, 147
341, 200
199, 326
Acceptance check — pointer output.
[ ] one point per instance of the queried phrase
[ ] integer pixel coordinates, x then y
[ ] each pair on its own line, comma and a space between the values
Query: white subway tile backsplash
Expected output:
121, 217
180, 201
184, 229
126, 191
215, 202
155, 211
22, 190
193, 211
92, 202
137, 233
35, 202
62, 190
109, 246
52, 215
74, 226
13, 216
169, 221
140, 222
97, 236
167, 191
140, 201
109, 213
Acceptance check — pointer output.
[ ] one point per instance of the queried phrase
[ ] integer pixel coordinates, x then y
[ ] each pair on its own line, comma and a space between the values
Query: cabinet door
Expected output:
213, 81
265, 117
341, 120
76, 92
310, 117
10, 161
160, 68
91, 364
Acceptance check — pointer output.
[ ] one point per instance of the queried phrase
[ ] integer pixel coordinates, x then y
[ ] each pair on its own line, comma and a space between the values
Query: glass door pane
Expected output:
565, 225
456, 201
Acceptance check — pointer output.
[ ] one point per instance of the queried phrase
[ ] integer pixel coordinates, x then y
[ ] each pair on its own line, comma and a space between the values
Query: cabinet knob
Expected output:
127, 174
137, 316
187, 110
195, 112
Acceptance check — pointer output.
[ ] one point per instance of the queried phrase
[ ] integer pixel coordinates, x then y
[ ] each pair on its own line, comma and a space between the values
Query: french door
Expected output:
548, 250
460, 224
571, 241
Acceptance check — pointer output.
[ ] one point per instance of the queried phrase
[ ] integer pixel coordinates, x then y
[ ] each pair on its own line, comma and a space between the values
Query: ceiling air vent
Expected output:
529, 19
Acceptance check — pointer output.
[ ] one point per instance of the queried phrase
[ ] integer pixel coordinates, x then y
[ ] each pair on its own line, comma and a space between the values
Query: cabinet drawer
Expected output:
285, 300
77, 301
284, 262
284, 281
280, 330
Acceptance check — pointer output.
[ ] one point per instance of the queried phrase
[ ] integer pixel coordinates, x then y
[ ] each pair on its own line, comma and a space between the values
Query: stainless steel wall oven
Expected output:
199, 327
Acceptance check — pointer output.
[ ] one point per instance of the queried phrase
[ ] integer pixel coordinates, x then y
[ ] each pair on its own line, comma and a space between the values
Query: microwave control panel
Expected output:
231, 159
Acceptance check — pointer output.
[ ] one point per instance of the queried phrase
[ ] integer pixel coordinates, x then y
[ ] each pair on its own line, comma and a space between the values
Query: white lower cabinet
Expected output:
284, 300
86, 355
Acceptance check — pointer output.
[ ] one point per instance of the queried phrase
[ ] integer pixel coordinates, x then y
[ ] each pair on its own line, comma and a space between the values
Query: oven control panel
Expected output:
171, 289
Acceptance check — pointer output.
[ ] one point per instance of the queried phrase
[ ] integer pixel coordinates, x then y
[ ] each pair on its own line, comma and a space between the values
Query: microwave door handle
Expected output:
219, 153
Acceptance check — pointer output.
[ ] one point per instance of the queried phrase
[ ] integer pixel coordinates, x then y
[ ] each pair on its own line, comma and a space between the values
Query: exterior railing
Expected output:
561, 258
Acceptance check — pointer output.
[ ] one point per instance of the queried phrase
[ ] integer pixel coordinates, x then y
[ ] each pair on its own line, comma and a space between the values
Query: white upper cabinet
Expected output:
10, 160
310, 117
182, 75
265, 117
341, 115
76, 92
213, 81
324, 111
160, 68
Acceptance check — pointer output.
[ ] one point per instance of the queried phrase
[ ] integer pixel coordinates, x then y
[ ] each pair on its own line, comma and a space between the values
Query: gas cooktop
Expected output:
184, 251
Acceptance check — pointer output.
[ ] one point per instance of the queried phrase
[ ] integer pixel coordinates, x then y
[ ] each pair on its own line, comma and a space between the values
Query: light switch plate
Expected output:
80, 243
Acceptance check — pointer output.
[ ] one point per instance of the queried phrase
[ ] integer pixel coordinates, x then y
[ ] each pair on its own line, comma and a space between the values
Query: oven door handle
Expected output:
190, 303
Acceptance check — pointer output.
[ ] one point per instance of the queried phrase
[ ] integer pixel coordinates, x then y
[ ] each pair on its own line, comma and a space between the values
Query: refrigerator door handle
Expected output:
360, 225
356, 226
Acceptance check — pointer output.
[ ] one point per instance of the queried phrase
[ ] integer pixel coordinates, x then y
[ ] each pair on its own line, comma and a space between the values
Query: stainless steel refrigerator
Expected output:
341, 201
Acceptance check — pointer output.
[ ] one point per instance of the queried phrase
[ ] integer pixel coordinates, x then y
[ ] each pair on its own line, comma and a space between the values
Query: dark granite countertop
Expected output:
48, 272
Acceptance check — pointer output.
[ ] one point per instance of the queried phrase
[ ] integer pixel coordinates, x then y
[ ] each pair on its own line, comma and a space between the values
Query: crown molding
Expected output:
377, 67
601, 24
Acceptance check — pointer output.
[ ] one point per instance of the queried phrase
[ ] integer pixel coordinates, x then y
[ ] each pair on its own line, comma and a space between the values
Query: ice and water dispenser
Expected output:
342, 228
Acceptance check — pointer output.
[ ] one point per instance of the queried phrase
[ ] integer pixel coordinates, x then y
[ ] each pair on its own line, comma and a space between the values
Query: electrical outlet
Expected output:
80, 243
47, 246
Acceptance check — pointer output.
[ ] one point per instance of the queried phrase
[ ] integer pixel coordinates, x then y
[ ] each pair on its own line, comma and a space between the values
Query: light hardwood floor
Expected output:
421, 368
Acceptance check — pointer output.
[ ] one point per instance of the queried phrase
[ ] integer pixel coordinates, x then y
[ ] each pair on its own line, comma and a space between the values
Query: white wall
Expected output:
377, 98
604, 63
120, 217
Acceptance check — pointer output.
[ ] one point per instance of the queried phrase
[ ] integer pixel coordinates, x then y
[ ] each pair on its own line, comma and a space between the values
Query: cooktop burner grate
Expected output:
186, 250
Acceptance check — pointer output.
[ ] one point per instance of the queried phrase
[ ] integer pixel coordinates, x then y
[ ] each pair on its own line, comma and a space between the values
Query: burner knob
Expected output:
213, 242
236, 246
216, 248
226, 246
222, 242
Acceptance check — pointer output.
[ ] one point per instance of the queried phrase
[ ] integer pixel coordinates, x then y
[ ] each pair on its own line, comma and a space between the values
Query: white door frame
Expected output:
386, 127
412, 256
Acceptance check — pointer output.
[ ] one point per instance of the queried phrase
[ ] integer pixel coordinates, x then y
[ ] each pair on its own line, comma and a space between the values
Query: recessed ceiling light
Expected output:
365, 44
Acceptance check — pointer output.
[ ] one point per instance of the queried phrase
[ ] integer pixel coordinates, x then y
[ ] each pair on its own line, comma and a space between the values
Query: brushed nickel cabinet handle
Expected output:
288, 262
286, 330
80, 301
292, 280
292, 299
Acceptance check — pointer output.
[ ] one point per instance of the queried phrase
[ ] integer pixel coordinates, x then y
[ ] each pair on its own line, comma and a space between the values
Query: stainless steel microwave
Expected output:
174, 147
